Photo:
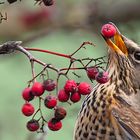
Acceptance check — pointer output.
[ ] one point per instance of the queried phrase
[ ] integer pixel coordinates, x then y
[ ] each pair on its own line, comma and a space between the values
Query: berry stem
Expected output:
57, 80
38, 74
60, 54
67, 69
35, 113
50, 52
41, 72
41, 114
33, 71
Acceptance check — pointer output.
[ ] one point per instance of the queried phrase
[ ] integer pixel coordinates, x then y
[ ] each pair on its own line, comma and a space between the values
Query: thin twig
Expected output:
83, 44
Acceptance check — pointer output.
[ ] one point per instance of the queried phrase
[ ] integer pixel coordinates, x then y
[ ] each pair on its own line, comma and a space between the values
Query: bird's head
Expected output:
124, 61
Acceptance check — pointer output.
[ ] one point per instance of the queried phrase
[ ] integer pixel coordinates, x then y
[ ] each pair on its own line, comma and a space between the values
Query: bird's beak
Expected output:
117, 44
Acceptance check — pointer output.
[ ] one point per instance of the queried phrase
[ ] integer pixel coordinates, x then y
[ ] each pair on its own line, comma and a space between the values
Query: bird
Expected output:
112, 110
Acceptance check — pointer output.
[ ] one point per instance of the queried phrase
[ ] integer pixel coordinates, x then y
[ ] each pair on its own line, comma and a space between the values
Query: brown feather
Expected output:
128, 119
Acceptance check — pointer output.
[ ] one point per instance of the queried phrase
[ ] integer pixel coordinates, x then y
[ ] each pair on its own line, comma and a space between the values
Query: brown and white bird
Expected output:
112, 110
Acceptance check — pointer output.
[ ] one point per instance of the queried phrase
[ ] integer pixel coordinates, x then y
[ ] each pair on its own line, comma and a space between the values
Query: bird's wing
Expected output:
128, 120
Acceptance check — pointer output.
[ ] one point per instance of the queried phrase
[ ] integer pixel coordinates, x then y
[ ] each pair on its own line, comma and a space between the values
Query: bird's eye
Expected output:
137, 55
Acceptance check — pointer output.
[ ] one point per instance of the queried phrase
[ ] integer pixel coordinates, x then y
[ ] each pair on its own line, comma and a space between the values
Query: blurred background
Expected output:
62, 28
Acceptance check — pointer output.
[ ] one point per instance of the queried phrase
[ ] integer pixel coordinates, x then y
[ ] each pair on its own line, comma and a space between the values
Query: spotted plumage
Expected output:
112, 110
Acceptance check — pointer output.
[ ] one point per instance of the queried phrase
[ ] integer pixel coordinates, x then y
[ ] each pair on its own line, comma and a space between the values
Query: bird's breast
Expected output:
95, 121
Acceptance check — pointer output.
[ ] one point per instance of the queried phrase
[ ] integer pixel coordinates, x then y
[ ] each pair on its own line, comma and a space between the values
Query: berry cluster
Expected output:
36, 91
72, 91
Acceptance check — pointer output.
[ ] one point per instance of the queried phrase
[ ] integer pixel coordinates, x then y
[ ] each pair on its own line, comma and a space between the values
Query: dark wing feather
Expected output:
128, 120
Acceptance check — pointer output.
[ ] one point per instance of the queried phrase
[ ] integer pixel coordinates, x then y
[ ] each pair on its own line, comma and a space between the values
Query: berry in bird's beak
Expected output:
118, 45
108, 30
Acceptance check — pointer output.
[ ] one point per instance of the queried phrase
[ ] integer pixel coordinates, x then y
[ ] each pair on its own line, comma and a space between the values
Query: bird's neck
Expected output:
121, 74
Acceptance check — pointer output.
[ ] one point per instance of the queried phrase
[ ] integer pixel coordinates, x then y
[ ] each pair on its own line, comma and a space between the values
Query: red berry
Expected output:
32, 125
91, 72
102, 77
54, 124
70, 86
49, 84
37, 89
75, 97
48, 2
63, 96
108, 30
50, 101
28, 109
27, 94
84, 88
60, 113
